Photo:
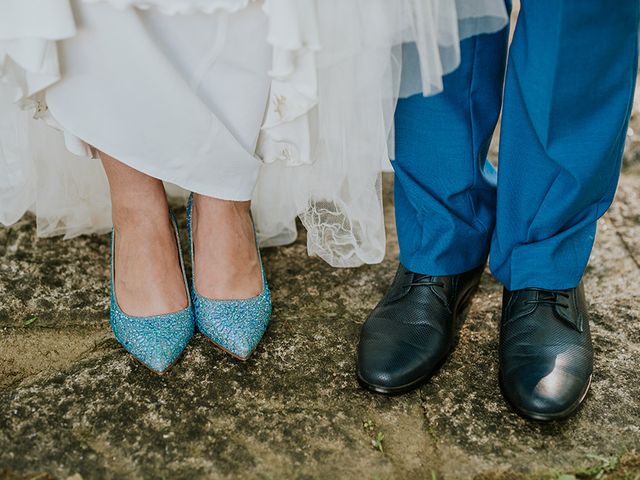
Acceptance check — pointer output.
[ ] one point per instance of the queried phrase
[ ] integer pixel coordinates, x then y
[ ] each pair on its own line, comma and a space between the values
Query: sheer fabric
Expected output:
335, 71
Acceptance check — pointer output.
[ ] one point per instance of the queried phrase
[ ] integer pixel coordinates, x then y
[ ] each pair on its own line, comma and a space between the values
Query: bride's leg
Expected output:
148, 278
225, 255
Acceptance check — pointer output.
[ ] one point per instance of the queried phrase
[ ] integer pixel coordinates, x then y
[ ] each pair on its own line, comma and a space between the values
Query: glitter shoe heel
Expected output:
156, 341
235, 326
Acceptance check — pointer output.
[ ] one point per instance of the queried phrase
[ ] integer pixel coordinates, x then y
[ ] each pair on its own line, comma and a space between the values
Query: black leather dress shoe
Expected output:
546, 356
412, 330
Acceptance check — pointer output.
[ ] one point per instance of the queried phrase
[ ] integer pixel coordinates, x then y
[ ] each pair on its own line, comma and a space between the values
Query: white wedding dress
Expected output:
287, 102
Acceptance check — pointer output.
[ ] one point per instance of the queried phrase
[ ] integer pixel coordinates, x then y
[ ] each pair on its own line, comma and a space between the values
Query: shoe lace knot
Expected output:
424, 281
554, 298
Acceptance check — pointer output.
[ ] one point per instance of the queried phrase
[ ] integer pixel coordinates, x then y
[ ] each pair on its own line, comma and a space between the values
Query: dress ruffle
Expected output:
337, 71
28, 35
69, 195
328, 133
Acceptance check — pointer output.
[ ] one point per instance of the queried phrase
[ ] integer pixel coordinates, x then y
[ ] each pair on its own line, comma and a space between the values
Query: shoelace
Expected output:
549, 297
424, 281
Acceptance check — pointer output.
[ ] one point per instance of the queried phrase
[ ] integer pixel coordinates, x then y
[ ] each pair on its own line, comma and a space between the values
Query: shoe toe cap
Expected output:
157, 342
394, 363
158, 359
240, 342
545, 393
237, 327
163, 353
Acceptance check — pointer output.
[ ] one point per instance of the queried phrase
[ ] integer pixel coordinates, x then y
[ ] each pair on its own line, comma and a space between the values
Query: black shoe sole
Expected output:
546, 417
399, 390
461, 310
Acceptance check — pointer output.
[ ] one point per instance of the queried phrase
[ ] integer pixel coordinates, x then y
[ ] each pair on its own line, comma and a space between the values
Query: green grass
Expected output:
623, 466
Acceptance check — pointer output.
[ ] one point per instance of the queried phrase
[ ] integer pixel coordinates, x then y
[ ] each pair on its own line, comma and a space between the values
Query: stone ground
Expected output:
73, 404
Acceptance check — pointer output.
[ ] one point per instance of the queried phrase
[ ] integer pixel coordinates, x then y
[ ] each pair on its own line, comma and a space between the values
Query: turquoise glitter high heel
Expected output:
235, 326
155, 341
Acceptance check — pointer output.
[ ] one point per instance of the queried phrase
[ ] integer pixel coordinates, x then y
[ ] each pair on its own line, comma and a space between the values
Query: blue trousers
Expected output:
566, 101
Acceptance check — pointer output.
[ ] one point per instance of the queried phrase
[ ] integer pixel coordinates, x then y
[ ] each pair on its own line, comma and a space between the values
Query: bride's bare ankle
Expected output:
149, 279
215, 216
213, 205
227, 263
141, 216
